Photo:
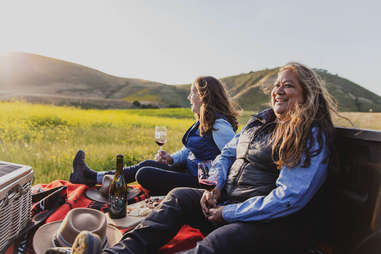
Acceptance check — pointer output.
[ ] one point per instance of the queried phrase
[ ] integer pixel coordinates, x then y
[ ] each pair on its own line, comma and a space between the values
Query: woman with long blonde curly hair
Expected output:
216, 123
293, 127
271, 180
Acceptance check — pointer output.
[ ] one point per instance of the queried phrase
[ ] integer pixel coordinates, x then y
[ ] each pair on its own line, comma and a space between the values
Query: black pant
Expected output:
182, 207
157, 177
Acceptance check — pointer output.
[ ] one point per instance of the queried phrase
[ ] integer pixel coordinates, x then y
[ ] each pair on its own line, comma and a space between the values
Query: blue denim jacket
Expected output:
222, 133
295, 187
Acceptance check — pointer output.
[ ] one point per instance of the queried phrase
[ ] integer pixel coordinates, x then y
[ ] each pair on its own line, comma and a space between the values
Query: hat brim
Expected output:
96, 195
43, 238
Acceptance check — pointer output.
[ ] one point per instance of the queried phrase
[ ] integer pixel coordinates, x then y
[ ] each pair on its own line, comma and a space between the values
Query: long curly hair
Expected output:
214, 100
293, 136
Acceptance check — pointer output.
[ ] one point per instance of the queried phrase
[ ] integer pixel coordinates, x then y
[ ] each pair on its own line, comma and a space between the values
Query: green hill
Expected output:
252, 91
351, 97
47, 80
33, 76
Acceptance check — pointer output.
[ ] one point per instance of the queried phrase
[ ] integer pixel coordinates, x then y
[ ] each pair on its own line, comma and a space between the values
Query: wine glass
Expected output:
207, 179
160, 136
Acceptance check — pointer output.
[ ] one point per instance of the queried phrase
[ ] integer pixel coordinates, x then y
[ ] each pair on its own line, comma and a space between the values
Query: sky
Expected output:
174, 41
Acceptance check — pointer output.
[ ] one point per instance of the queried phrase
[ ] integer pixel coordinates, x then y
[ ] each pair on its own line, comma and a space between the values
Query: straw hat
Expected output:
63, 233
101, 194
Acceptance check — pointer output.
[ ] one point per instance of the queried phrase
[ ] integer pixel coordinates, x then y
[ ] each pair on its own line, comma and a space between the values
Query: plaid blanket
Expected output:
75, 197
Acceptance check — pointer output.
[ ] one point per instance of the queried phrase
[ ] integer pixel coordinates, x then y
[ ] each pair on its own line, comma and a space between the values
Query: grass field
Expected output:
47, 137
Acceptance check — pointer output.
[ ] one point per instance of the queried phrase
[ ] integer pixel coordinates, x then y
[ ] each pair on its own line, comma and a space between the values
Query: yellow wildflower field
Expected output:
47, 137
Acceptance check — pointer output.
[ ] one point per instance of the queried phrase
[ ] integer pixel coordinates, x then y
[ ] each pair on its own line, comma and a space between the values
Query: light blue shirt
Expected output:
222, 133
295, 186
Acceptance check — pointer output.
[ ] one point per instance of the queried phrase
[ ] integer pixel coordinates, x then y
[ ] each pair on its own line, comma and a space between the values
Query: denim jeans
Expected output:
157, 177
182, 207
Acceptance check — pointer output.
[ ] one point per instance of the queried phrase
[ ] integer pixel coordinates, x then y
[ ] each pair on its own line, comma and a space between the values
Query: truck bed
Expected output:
355, 193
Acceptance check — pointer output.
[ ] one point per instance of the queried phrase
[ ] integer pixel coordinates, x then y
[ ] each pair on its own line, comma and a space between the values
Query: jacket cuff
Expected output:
176, 158
228, 212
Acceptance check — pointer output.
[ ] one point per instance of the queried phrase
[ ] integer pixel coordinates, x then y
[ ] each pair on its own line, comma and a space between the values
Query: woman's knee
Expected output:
147, 163
179, 192
186, 196
144, 175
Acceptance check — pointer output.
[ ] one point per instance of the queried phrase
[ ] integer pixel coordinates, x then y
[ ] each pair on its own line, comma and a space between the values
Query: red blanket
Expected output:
185, 239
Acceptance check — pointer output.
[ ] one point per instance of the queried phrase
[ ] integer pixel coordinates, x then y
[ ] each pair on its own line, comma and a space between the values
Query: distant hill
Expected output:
47, 80
35, 76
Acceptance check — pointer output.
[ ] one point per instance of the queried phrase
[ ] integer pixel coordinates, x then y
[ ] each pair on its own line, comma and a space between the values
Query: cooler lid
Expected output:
9, 172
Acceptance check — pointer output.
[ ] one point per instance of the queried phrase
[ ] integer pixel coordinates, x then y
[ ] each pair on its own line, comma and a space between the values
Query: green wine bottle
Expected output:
118, 192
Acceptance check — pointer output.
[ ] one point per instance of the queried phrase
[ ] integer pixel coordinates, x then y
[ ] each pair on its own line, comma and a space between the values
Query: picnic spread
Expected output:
54, 201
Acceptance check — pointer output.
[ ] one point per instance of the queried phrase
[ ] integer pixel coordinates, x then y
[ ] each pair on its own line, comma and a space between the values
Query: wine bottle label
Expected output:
117, 206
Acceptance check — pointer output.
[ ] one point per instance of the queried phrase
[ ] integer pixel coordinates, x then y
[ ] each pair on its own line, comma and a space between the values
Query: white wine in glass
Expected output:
160, 136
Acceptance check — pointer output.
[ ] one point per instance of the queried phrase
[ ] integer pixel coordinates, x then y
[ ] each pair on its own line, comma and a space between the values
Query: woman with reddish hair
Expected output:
216, 123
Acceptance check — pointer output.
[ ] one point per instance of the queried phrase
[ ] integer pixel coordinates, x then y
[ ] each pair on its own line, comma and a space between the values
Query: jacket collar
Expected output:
266, 116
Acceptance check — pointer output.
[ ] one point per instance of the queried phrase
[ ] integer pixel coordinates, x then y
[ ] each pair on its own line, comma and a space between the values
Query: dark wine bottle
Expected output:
118, 192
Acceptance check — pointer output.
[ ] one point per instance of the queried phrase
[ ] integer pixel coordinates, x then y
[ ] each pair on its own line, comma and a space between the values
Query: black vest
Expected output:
254, 172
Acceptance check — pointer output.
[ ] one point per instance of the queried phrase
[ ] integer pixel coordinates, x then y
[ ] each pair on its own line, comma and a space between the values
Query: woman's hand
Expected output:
215, 215
209, 200
164, 157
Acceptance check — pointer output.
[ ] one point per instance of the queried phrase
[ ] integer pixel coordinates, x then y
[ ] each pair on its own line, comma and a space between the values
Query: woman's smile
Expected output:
286, 93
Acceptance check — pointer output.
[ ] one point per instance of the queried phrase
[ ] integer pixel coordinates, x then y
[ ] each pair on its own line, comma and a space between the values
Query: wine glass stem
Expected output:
161, 148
